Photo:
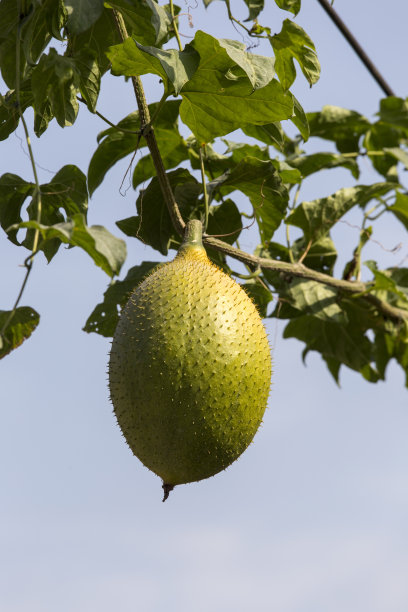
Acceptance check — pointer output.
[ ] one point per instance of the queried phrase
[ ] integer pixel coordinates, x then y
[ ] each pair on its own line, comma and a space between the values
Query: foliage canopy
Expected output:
212, 86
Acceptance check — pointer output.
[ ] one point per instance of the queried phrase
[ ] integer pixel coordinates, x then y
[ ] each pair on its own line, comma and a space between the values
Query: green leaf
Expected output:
259, 294
255, 7
345, 344
214, 105
146, 20
38, 23
8, 18
385, 283
82, 14
9, 116
225, 221
391, 344
42, 116
153, 225
257, 68
240, 150
300, 120
20, 327
174, 67
309, 164
377, 138
270, 133
321, 256
400, 208
97, 39
105, 316
35, 35
107, 251
394, 111
342, 126
260, 181
56, 80
13, 192
115, 145
217, 95
289, 5
87, 67
291, 43
67, 191
311, 297
316, 218
398, 154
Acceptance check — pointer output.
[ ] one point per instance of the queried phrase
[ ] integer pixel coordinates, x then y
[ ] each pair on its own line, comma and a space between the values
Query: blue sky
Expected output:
311, 518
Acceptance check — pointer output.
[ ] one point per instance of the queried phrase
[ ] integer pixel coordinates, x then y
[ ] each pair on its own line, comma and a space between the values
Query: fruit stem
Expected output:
167, 488
193, 234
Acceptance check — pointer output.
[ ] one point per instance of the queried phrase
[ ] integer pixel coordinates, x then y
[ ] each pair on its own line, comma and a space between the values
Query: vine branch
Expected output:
358, 289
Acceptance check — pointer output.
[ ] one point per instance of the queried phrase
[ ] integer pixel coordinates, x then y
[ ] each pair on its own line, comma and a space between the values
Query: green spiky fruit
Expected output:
190, 367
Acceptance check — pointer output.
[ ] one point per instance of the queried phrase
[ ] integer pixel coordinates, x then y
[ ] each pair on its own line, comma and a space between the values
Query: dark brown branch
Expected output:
148, 133
356, 46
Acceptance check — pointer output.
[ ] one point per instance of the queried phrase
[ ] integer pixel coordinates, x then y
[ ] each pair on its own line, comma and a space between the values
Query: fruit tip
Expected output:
166, 488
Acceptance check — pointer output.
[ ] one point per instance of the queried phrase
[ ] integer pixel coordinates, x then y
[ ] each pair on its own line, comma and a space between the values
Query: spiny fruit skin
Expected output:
190, 369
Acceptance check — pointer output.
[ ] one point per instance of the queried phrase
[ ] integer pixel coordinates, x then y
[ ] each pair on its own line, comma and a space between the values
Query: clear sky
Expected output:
313, 516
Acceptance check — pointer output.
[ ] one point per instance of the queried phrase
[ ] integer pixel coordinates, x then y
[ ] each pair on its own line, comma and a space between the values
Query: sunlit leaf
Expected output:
214, 105
107, 251
309, 164
292, 43
342, 126
174, 67
289, 5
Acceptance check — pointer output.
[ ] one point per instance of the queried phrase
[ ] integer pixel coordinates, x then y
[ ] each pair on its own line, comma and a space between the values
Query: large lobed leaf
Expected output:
222, 86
